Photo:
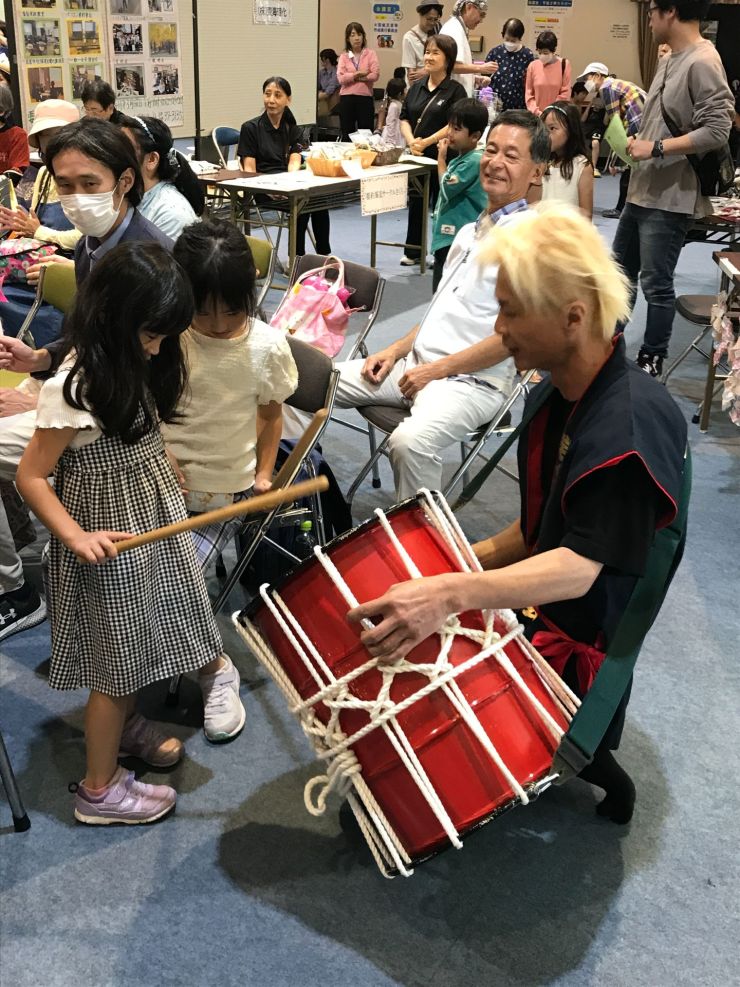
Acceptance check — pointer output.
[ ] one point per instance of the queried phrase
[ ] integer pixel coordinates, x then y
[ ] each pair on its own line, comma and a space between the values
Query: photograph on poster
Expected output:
82, 73
83, 38
130, 80
41, 38
127, 39
165, 80
81, 4
161, 6
45, 82
38, 4
130, 7
162, 39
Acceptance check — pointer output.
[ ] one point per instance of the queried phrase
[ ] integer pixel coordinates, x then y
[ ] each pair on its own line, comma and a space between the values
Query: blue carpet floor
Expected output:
242, 887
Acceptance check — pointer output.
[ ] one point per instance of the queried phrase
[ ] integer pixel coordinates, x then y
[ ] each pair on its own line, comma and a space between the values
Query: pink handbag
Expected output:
315, 309
17, 254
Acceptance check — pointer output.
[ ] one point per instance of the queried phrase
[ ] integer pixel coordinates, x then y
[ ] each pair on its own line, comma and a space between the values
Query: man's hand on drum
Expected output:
407, 614
378, 365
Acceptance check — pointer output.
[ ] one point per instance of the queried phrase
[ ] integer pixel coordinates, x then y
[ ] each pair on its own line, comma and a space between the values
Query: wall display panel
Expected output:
143, 48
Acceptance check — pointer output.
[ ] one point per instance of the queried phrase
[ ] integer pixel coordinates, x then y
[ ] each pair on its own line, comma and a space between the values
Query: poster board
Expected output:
135, 45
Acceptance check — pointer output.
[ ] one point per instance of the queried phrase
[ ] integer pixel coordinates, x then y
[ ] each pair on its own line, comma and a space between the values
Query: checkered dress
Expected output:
145, 615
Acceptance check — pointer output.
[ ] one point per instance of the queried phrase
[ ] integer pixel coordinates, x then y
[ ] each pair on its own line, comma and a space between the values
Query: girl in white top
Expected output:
145, 616
570, 177
391, 132
225, 438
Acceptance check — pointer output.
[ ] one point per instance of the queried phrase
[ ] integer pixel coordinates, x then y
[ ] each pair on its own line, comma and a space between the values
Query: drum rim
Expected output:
256, 603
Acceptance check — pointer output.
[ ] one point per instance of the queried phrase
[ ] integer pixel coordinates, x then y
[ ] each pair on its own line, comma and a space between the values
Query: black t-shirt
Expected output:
270, 147
610, 517
440, 101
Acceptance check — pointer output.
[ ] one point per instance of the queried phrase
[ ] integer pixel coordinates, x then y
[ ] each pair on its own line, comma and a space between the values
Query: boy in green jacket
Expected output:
461, 199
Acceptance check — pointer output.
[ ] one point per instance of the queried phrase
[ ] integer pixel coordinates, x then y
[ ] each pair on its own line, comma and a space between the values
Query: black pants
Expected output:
320, 227
624, 181
440, 256
416, 212
356, 113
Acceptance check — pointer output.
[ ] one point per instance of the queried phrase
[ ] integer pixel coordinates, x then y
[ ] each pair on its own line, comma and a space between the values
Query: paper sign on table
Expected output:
384, 193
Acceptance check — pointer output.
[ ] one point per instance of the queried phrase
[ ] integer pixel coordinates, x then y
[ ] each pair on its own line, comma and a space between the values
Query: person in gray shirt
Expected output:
664, 193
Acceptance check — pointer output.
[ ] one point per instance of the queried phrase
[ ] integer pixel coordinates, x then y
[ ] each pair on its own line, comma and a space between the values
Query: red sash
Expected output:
557, 648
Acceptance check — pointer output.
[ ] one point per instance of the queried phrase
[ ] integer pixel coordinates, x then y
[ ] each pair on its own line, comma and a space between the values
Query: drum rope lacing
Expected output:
332, 744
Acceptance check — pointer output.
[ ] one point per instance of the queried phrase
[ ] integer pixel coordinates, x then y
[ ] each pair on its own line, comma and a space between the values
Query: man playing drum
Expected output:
601, 466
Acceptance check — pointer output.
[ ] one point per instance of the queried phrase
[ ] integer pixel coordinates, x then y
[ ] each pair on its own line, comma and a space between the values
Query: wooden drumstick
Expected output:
255, 505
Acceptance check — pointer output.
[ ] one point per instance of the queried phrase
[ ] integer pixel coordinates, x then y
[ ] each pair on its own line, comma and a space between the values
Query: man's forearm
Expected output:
479, 356
560, 574
402, 347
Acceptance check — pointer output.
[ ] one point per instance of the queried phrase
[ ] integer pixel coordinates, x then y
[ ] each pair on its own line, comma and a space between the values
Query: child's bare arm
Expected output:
38, 462
269, 430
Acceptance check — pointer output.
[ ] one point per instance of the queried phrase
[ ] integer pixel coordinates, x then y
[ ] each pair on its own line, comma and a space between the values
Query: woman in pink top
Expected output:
548, 77
358, 69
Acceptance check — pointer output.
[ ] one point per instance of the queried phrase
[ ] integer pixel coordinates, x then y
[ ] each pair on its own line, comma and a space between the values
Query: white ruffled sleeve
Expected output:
279, 378
54, 412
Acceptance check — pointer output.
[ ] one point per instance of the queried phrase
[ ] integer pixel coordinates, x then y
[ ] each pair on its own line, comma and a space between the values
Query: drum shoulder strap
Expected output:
601, 701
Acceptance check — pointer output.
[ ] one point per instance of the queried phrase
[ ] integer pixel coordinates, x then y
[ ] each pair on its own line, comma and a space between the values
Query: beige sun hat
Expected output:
51, 113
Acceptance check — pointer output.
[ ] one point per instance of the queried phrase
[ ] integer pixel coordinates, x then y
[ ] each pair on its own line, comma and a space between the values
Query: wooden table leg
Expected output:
708, 394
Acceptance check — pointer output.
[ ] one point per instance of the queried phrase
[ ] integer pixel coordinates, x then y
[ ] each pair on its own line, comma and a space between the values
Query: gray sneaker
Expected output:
125, 800
223, 713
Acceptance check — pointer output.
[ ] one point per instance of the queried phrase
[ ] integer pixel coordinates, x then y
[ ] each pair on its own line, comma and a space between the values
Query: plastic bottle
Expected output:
305, 541
485, 95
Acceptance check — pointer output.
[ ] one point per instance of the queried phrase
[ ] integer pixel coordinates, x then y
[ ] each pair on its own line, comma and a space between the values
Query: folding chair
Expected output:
21, 822
386, 419
317, 387
696, 309
368, 293
57, 286
264, 260
224, 139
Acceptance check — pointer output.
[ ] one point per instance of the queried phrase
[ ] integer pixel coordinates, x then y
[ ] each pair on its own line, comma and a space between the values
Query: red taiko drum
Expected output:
467, 781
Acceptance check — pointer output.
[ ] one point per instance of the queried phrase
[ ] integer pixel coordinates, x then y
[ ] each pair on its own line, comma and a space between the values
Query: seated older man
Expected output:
450, 371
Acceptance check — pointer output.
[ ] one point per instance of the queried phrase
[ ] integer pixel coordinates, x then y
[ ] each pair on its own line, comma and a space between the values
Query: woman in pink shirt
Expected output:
358, 69
548, 77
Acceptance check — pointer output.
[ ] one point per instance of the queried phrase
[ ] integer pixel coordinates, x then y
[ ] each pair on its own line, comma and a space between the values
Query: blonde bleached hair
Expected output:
553, 256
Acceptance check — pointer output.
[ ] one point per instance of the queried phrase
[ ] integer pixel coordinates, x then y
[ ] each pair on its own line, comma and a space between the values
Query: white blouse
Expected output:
555, 188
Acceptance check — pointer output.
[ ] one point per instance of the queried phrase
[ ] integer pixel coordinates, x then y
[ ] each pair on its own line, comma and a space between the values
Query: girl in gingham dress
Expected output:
143, 616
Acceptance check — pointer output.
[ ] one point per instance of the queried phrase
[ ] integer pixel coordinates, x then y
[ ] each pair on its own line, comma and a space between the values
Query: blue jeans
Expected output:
647, 245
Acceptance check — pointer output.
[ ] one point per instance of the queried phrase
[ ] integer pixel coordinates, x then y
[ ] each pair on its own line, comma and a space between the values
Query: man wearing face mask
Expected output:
548, 76
513, 60
466, 16
619, 98
14, 156
412, 52
99, 183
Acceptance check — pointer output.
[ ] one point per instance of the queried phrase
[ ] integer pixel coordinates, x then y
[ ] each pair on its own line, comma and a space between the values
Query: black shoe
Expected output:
20, 609
651, 363
611, 213
604, 772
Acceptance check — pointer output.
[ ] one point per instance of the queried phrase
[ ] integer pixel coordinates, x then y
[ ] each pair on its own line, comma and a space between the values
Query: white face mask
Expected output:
92, 215
512, 45
546, 57
590, 85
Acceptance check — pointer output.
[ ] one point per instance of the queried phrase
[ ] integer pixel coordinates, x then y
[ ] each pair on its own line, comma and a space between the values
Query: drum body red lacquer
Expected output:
469, 784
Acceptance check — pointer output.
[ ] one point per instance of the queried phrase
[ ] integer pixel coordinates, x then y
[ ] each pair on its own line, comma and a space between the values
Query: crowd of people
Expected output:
121, 406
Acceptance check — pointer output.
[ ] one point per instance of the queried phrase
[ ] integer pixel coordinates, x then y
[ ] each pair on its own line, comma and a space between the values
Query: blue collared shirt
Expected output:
487, 220
97, 249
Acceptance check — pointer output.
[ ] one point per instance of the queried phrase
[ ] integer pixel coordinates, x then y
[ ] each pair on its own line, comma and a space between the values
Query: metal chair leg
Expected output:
365, 470
374, 459
693, 345
21, 822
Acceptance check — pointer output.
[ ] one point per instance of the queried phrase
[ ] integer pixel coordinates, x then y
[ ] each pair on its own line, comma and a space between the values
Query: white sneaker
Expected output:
223, 713
408, 261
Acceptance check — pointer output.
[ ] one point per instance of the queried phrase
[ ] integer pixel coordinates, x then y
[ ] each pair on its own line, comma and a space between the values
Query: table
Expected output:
303, 192
721, 227
729, 265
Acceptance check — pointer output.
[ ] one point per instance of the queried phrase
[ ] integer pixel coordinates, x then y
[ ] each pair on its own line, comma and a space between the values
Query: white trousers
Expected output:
442, 413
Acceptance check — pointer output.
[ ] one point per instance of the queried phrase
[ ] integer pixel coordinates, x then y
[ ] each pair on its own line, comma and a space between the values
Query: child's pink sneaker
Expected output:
125, 800
140, 738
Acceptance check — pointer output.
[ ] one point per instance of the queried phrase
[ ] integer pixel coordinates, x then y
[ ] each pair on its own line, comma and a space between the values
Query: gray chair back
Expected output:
314, 376
364, 280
